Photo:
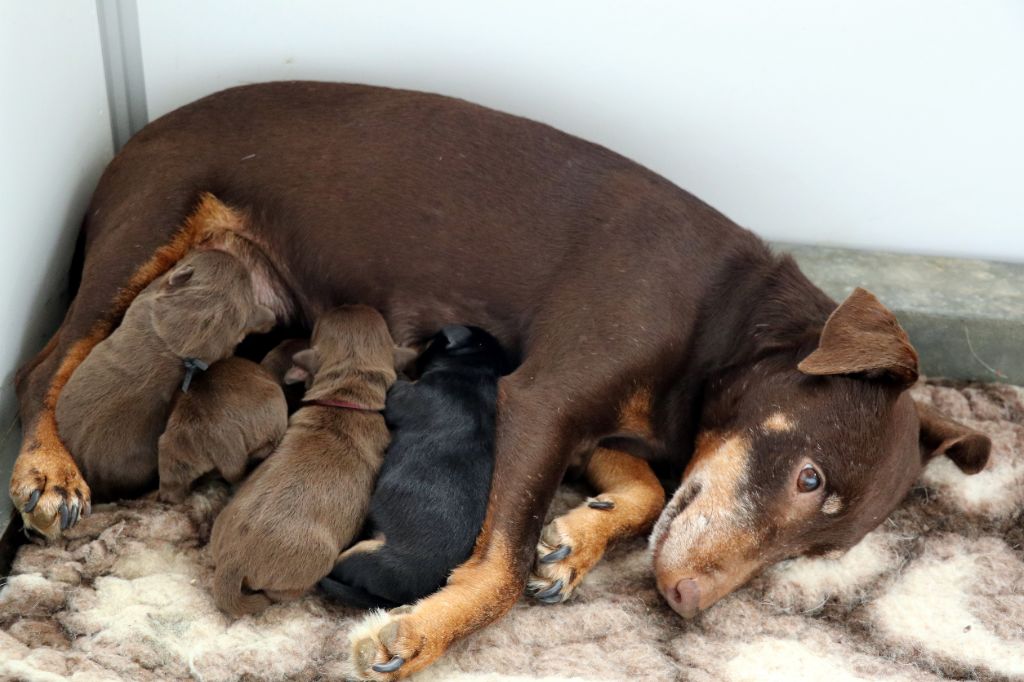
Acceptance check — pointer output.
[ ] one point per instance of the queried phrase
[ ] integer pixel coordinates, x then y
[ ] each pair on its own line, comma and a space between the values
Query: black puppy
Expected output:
431, 494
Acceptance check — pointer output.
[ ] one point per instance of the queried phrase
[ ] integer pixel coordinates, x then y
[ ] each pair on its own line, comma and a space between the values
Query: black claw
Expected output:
601, 504
65, 515
88, 509
559, 554
33, 500
550, 592
76, 513
391, 666
555, 599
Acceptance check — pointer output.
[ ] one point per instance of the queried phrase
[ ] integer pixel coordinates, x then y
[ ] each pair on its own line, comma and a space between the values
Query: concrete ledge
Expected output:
965, 317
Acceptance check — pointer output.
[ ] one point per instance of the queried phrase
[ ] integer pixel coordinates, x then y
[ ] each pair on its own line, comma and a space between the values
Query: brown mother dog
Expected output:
640, 313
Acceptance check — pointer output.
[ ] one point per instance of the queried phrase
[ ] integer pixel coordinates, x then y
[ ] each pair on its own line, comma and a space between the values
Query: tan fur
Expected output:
833, 505
364, 547
45, 463
234, 413
635, 415
778, 422
477, 591
291, 518
621, 479
713, 532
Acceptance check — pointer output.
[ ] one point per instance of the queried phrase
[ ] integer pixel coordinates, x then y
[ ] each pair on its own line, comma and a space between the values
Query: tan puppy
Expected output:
233, 413
117, 403
294, 515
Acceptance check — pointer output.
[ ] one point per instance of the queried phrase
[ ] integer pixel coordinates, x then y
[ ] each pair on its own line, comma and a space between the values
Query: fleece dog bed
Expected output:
936, 591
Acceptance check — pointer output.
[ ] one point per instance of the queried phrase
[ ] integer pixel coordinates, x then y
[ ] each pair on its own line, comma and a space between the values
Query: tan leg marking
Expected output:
364, 547
478, 592
630, 499
44, 464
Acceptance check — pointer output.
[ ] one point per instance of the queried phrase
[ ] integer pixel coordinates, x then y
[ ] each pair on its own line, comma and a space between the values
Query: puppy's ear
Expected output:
296, 375
308, 359
262, 320
969, 449
456, 336
863, 337
179, 276
404, 356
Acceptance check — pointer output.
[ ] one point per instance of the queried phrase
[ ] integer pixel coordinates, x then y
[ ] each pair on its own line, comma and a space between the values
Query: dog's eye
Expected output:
808, 480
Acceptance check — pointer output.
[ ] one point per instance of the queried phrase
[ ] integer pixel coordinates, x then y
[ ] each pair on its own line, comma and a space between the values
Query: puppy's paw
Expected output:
569, 547
49, 491
391, 645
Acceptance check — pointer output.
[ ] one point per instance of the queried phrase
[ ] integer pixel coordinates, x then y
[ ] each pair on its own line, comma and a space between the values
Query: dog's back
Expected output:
431, 496
233, 413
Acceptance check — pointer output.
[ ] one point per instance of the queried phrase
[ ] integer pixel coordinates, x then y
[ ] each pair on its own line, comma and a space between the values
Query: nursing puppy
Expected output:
278, 361
120, 397
286, 526
432, 492
233, 414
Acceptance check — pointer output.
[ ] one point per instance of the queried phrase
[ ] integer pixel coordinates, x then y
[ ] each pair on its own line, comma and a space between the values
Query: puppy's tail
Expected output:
228, 594
353, 596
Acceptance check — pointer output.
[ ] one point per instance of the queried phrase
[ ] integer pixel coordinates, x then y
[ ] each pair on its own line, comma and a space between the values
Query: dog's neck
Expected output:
144, 359
760, 305
366, 388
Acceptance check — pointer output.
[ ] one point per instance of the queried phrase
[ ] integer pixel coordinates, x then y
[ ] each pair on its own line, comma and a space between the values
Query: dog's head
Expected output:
351, 357
802, 456
206, 305
464, 346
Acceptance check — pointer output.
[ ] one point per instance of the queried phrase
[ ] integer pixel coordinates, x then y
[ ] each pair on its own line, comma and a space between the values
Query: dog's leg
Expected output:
177, 465
363, 547
530, 460
629, 500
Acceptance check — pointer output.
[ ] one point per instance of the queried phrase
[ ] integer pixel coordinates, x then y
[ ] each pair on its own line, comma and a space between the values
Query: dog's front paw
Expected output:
392, 645
49, 491
569, 547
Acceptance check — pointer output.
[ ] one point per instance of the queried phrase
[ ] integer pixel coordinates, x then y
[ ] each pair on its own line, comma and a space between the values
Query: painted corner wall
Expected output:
864, 123
56, 138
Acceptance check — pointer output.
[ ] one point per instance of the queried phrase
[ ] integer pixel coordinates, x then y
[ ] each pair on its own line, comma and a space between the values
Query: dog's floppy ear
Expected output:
305, 364
263, 320
404, 356
969, 449
179, 276
455, 336
863, 336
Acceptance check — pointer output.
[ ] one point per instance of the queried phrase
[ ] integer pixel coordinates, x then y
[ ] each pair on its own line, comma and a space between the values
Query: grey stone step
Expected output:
965, 317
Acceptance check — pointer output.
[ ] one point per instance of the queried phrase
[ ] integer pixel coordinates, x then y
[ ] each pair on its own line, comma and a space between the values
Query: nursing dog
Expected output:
289, 521
431, 495
644, 319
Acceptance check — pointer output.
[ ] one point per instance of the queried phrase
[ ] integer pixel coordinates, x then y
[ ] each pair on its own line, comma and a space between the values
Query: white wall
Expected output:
55, 140
868, 123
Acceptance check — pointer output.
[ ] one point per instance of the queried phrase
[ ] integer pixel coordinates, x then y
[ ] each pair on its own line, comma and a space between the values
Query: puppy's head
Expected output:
464, 347
206, 305
351, 357
802, 456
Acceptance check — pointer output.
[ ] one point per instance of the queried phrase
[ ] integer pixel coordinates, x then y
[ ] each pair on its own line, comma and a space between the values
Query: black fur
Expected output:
433, 487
